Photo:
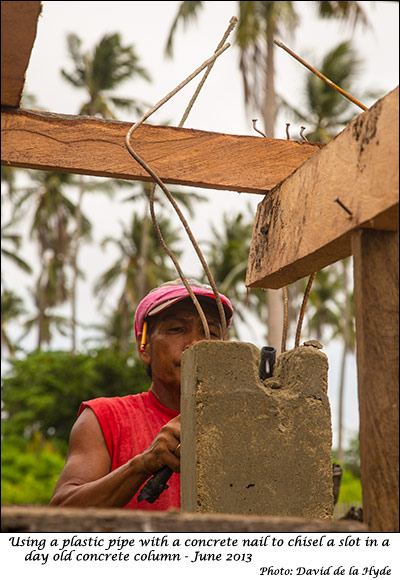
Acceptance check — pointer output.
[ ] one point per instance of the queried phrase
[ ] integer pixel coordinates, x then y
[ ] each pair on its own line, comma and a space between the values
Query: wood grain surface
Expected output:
299, 228
87, 145
32, 519
376, 302
18, 33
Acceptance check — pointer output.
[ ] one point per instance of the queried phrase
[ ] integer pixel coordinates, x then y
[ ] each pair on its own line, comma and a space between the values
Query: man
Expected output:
117, 443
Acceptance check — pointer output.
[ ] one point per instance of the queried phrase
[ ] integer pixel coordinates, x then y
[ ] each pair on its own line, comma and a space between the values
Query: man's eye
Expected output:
215, 333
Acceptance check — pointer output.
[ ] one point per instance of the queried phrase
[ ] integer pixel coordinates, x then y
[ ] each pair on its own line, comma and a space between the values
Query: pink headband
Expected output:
168, 294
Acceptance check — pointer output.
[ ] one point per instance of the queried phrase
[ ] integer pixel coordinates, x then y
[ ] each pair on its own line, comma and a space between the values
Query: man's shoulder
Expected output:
110, 403
124, 398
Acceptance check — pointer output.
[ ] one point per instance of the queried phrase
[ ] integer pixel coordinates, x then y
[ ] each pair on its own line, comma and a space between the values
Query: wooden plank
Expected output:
299, 228
33, 519
92, 146
376, 300
18, 33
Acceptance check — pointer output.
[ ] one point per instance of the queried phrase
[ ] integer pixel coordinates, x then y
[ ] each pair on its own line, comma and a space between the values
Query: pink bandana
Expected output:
171, 292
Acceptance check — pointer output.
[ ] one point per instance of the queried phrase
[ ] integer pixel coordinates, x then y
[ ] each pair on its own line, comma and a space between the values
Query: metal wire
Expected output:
321, 76
303, 309
158, 181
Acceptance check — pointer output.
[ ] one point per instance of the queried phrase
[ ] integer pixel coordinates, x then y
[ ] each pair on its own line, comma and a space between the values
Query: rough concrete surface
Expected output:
252, 446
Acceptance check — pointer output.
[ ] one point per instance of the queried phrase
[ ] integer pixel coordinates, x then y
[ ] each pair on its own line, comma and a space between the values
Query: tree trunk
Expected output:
274, 297
340, 450
74, 261
269, 104
346, 348
124, 309
144, 254
6, 342
41, 305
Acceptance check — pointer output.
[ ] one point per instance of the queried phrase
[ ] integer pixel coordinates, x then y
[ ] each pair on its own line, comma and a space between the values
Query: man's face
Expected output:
174, 330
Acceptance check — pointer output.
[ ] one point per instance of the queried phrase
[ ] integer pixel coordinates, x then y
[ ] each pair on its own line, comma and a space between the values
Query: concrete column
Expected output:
252, 446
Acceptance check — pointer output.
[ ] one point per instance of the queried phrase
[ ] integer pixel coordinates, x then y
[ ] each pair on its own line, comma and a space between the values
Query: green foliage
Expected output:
187, 11
351, 12
29, 470
329, 109
352, 456
11, 309
321, 107
227, 257
350, 494
229, 250
128, 264
43, 392
350, 489
101, 70
41, 396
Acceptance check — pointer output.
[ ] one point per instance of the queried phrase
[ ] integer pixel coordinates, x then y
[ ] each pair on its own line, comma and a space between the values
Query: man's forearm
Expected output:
115, 489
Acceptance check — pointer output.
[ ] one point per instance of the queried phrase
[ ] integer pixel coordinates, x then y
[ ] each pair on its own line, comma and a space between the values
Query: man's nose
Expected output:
193, 337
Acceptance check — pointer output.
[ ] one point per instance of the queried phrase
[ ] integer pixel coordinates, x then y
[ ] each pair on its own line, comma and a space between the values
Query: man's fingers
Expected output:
177, 450
164, 450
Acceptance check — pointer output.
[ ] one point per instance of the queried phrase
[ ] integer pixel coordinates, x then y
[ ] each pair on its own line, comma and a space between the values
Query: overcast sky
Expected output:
219, 107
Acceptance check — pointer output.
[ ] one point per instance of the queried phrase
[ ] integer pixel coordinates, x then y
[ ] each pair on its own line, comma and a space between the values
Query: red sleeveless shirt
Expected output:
129, 424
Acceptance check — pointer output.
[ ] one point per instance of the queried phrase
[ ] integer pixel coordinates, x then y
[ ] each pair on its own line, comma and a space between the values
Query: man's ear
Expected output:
143, 352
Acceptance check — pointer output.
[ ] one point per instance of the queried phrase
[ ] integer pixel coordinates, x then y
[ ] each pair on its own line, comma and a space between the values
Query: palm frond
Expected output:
102, 70
17, 260
295, 112
351, 12
187, 12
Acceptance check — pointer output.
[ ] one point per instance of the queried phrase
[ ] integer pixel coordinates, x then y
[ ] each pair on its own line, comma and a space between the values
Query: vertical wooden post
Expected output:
376, 299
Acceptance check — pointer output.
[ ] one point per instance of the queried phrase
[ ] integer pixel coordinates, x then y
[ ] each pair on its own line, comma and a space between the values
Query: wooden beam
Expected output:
300, 229
33, 519
87, 145
376, 301
18, 33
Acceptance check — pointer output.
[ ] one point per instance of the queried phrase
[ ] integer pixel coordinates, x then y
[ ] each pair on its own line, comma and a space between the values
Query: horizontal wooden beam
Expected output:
16, 519
87, 145
300, 226
18, 32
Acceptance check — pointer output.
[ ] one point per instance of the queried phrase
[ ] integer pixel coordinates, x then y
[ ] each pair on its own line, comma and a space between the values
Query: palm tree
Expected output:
11, 239
99, 72
349, 344
51, 226
47, 322
11, 309
8, 178
324, 304
227, 257
330, 315
53, 217
259, 23
143, 193
11, 304
325, 110
128, 265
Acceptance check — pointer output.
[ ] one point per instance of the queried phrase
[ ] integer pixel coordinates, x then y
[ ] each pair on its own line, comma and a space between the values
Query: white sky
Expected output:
219, 107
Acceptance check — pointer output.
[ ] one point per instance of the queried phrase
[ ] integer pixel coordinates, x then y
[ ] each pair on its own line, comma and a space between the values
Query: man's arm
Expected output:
87, 479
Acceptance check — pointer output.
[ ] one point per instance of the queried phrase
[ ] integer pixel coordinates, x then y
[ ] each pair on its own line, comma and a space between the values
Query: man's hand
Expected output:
164, 449
87, 479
